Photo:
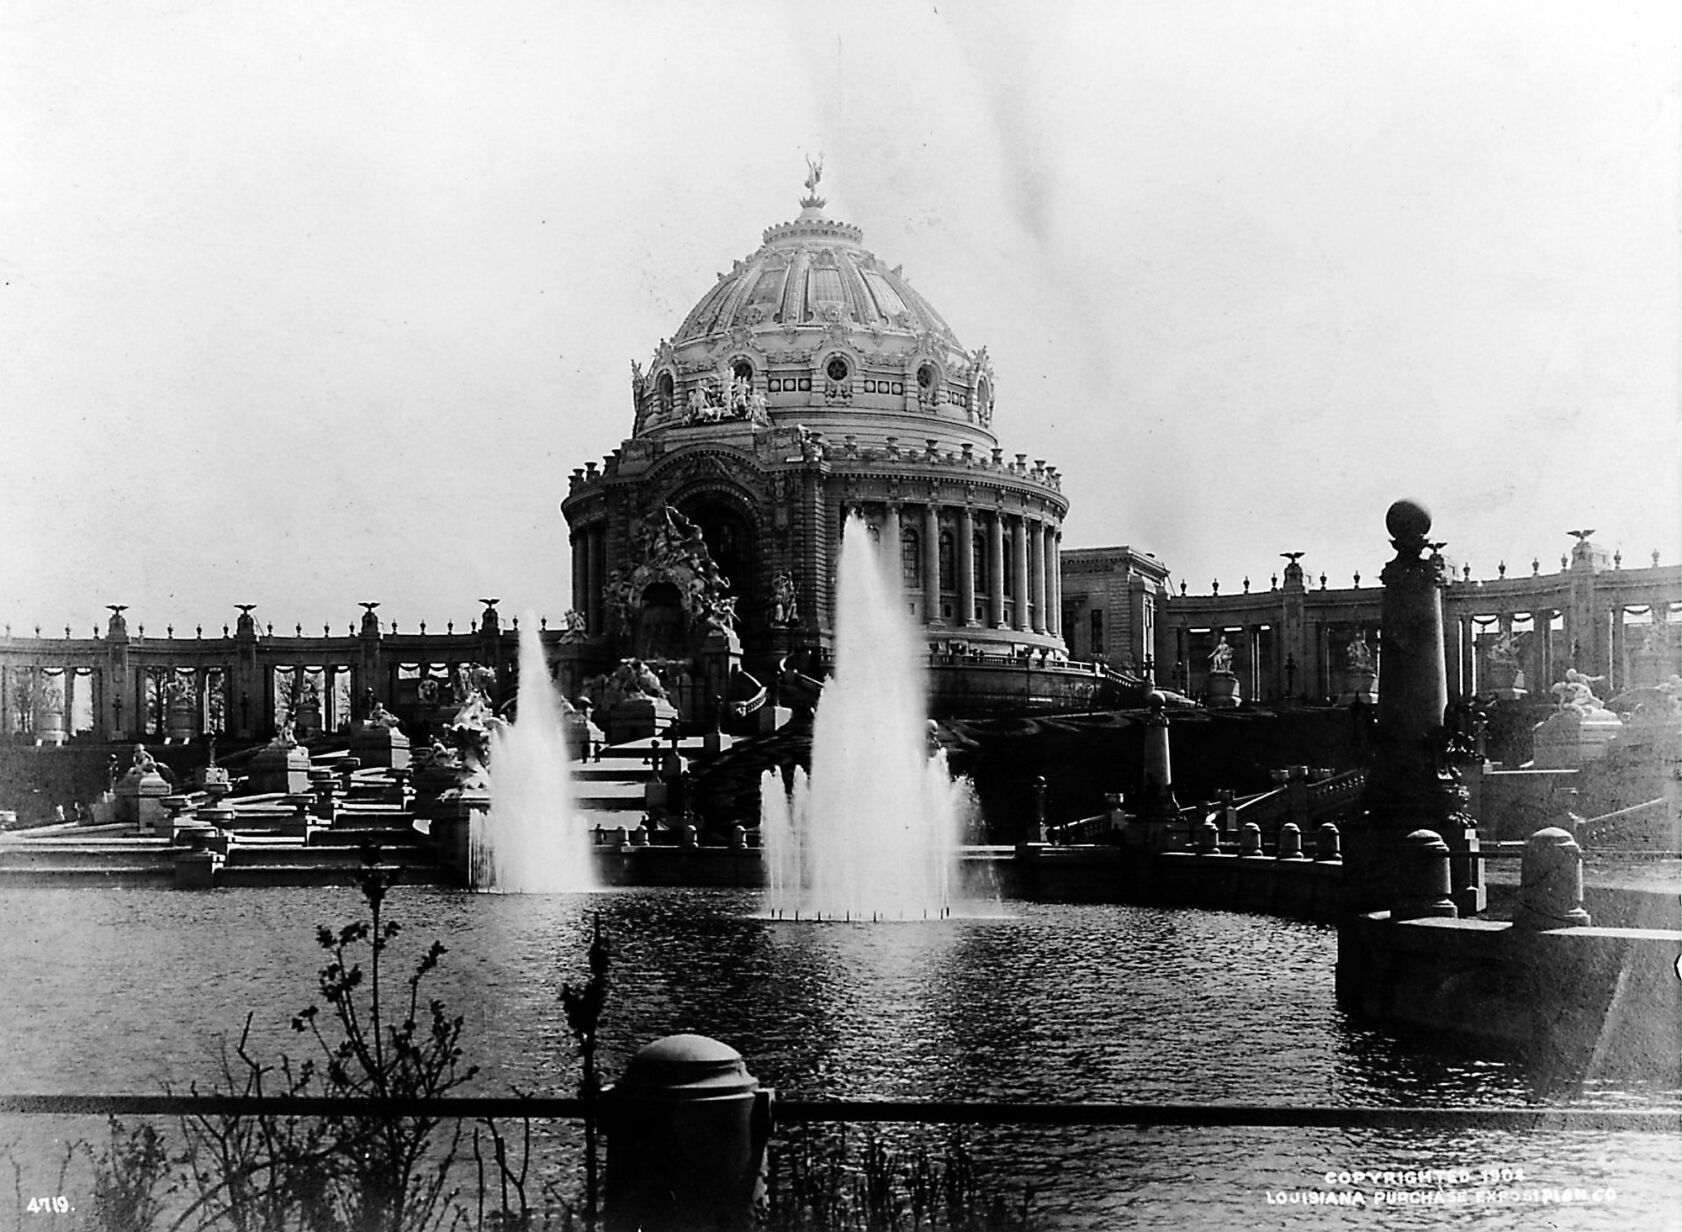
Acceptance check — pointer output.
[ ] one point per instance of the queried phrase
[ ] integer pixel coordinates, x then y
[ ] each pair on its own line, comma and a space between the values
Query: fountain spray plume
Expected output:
531, 843
873, 831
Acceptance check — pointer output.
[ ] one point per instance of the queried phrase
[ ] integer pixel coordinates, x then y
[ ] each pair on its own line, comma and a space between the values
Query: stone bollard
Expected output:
1422, 879
689, 836
1551, 883
1290, 842
686, 1131
1208, 837
1250, 840
1329, 845
738, 836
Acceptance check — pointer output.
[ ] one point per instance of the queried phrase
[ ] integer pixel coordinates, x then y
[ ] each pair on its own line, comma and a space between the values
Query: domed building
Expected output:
810, 381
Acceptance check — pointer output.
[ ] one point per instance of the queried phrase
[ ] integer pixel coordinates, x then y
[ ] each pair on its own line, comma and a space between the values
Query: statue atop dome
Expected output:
814, 173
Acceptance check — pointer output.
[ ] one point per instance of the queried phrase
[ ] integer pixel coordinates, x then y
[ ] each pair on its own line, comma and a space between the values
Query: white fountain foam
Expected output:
531, 843
873, 832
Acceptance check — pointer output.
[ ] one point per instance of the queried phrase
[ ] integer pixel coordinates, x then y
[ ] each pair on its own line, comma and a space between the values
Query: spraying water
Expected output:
873, 832
531, 843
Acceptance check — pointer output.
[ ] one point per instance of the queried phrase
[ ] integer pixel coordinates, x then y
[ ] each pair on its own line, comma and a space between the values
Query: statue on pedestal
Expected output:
784, 611
1576, 692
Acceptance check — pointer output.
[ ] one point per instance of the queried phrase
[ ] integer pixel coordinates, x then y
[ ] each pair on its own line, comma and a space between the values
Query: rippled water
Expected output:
121, 991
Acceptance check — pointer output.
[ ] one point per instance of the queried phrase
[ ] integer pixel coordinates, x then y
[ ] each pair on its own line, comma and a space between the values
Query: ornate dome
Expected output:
813, 271
812, 329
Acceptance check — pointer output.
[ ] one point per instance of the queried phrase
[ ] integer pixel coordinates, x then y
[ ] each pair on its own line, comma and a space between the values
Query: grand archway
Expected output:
661, 627
731, 542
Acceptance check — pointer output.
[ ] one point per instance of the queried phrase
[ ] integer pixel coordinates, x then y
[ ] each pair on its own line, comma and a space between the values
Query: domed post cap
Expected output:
686, 1128
1551, 882
1423, 881
1330, 845
687, 1066
1290, 842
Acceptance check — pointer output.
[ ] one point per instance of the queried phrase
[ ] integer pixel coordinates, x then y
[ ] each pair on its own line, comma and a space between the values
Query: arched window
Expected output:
948, 562
1010, 568
910, 558
743, 371
978, 550
663, 391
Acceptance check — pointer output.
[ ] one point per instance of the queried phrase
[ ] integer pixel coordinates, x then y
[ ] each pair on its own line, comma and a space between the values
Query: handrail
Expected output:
794, 1110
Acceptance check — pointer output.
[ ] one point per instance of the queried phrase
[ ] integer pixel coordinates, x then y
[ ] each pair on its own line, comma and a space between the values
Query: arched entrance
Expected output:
660, 631
729, 536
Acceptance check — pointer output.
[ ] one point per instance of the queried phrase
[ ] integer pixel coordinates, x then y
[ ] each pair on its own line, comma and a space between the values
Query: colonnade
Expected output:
1019, 589
1596, 640
589, 575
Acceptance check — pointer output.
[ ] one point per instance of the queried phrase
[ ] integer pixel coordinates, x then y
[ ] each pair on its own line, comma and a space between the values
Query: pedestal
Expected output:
1570, 739
375, 744
639, 718
213, 780
457, 828
584, 739
279, 768
180, 723
1223, 691
307, 722
50, 734
1359, 686
140, 795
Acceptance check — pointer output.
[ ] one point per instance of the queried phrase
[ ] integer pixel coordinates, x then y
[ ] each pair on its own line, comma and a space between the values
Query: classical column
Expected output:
1019, 548
594, 608
931, 564
1036, 573
966, 567
892, 549
1455, 648
580, 582
996, 567
1247, 673
1054, 581
1543, 623
1618, 678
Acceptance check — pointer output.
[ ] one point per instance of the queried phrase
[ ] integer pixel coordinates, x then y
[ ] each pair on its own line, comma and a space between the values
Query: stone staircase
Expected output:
85, 855
283, 839
619, 787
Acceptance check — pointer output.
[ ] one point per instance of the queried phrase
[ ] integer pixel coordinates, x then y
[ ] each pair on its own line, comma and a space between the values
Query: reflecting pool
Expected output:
122, 991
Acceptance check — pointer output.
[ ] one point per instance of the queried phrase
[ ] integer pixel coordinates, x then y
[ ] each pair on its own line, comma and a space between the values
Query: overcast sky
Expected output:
307, 304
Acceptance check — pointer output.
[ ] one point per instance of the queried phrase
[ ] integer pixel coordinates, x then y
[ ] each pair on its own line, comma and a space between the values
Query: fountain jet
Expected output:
873, 831
531, 843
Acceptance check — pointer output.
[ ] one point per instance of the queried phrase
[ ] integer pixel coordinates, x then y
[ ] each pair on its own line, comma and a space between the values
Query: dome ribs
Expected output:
859, 300
794, 290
